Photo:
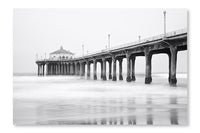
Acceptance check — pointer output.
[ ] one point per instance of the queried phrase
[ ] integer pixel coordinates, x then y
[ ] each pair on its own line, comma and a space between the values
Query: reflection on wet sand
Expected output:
149, 111
173, 111
108, 111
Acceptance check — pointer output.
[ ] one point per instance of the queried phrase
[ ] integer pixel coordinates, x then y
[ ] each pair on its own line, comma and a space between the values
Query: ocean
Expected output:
72, 100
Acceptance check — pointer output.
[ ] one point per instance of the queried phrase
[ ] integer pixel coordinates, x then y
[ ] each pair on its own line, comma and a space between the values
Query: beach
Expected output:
69, 100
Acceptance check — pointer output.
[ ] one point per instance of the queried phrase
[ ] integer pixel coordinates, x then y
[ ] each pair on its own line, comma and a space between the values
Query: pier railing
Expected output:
135, 43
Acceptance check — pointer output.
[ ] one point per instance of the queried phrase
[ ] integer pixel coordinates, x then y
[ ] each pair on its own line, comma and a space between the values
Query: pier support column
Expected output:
43, 69
68, 66
128, 78
51, 69
173, 51
81, 68
70, 69
133, 69
120, 69
88, 69
104, 68
62, 66
78, 68
114, 78
110, 69
95, 69
65, 68
38, 69
54, 69
75, 68
47, 69
84, 69
148, 56
101, 70
169, 56
58, 67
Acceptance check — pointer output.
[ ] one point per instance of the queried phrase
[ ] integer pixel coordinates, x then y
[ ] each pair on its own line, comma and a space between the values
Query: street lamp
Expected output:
139, 38
83, 50
36, 56
164, 23
108, 41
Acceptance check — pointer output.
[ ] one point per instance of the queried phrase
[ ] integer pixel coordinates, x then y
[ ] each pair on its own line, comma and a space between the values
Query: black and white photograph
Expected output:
100, 66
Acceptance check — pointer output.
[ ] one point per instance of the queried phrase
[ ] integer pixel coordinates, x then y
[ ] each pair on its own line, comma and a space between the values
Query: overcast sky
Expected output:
40, 31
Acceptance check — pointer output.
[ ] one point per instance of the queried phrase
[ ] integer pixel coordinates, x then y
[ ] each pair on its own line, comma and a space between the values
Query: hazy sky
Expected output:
40, 31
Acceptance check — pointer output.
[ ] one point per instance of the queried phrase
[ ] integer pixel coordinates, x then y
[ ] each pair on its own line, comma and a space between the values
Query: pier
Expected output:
170, 43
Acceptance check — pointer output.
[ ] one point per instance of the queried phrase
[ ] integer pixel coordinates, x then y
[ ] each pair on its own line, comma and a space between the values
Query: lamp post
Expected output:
36, 57
164, 23
109, 42
83, 50
139, 38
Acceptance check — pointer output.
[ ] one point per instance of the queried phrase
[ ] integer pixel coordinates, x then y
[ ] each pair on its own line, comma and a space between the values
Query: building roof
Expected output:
62, 51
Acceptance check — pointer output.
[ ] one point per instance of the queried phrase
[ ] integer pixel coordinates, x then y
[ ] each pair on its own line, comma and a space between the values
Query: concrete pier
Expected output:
104, 68
173, 50
110, 69
171, 44
148, 55
128, 78
120, 69
101, 70
114, 78
88, 69
94, 69
133, 69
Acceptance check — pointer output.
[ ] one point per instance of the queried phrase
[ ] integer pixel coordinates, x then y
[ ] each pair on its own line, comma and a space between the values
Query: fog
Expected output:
40, 31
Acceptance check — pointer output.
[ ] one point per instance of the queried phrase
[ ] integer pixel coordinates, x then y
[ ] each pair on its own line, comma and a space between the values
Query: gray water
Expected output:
67, 100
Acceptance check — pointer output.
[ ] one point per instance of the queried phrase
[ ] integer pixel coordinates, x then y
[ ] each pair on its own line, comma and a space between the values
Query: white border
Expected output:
6, 10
